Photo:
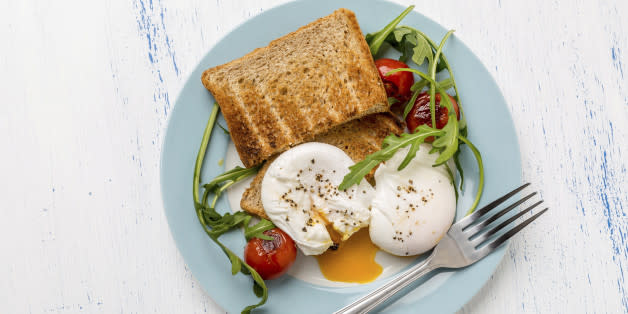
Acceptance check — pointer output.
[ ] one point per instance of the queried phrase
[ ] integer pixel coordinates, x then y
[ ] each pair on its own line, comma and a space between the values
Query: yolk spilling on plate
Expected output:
353, 261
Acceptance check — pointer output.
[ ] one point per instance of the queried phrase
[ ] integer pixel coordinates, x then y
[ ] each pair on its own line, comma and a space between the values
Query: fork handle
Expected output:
379, 296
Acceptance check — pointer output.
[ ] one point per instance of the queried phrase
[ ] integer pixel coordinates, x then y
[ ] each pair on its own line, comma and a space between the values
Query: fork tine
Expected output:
466, 221
484, 236
472, 230
490, 247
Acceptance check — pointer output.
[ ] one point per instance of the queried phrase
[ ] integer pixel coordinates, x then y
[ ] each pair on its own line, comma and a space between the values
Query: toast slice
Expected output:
299, 86
357, 138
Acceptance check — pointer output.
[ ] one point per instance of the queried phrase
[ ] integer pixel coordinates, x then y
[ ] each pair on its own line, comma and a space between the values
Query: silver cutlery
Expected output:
463, 245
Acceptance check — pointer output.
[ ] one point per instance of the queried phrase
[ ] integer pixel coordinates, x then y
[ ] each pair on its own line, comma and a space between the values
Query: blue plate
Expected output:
490, 128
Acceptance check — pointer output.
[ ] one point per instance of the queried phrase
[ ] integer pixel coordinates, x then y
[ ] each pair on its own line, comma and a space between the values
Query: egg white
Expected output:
300, 195
306, 268
412, 208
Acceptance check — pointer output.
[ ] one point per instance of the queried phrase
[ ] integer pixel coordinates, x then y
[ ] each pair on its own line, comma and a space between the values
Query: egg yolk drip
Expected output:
353, 261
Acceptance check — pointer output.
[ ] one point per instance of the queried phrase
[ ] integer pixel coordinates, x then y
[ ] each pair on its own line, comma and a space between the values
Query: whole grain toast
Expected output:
357, 138
299, 86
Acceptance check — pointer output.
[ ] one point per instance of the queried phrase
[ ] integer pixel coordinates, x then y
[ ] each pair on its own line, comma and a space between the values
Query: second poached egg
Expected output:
414, 207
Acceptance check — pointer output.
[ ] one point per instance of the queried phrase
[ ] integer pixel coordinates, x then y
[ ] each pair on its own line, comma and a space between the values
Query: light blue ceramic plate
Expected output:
490, 128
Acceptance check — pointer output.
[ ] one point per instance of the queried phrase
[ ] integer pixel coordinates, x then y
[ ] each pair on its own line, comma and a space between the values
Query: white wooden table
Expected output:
87, 87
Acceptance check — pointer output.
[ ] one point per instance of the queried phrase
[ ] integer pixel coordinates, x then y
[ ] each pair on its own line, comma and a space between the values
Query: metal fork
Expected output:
460, 247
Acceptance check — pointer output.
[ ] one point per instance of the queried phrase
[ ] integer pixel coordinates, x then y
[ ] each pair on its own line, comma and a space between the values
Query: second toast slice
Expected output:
357, 138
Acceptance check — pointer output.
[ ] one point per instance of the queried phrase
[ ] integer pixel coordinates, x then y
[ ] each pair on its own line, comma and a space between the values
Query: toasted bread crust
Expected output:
299, 86
357, 138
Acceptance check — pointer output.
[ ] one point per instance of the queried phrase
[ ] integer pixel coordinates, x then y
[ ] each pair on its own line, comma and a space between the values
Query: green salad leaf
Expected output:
224, 130
417, 46
410, 103
375, 40
447, 144
229, 176
390, 146
478, 158
412, 45
216, 224
256, 231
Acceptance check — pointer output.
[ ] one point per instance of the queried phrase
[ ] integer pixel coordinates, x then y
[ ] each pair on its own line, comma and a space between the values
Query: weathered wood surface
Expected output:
87, 88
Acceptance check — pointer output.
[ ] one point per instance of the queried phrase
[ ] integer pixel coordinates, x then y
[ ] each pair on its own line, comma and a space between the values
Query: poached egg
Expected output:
413, 208
300, 196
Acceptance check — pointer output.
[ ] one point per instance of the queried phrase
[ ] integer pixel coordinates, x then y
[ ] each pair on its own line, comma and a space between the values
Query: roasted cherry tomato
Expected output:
271, 258
397, 84
420, 112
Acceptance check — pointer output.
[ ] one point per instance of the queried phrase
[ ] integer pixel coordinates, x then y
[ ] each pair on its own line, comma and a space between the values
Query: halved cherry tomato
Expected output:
420, 113
397, 84
271, 258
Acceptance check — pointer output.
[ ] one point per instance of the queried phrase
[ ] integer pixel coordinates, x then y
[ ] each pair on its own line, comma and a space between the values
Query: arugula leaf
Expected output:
392, 101
238, 265
375, 40
201, 154
256, 231
446, 84
258, 290
453, 134
358, 171
390, 146
417, 72
221, 224
224, 129
463, 119
215, 224
421, 51
414, 148
478, 158
451, 180
411, 44
424, 77
433, 77
442, 63
418, 86
398, 41
449, 141
227, 222
405, 47
433, 103
398, 34
459, 168
410, 103
229, 176
439, 51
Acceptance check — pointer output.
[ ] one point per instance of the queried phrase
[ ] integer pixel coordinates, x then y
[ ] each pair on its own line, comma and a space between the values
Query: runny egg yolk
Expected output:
353, 261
